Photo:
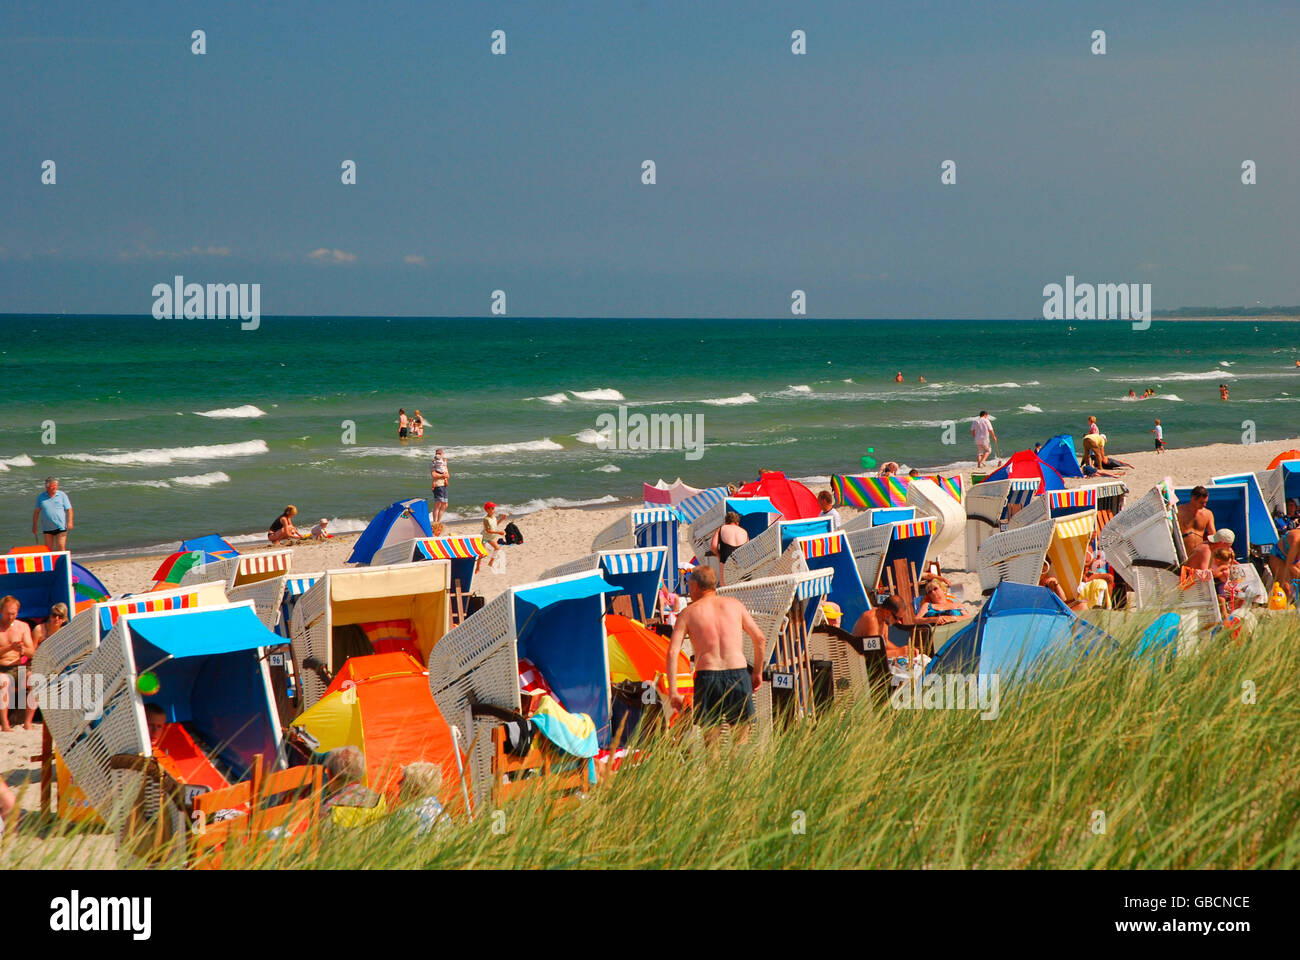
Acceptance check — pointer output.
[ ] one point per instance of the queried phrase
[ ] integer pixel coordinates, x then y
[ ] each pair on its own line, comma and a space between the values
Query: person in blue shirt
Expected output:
54, 514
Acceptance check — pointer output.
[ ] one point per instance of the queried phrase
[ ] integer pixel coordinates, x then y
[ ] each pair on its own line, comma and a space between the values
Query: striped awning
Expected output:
645, 515
634, 561
822, 544
1080, 526
297, 586
451, 548
110, 613
695, 506
816, 586
264, 562
1064, 499
907, 529
867, 492
1022, 491
29, 563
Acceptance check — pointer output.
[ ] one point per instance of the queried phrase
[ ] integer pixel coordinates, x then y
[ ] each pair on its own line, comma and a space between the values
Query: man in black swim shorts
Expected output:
724, 681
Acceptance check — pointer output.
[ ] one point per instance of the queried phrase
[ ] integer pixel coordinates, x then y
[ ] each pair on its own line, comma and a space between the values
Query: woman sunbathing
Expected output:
938, 606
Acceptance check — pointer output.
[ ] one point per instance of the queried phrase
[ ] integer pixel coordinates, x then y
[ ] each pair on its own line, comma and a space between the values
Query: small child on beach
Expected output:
1159, 432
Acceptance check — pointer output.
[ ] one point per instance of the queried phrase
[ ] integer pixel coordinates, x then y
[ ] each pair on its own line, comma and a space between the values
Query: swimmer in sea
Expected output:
898, 377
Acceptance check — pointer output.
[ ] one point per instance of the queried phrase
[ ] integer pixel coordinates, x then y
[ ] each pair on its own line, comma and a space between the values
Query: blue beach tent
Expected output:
1059, 454
214, 548
403, 520
1018, 628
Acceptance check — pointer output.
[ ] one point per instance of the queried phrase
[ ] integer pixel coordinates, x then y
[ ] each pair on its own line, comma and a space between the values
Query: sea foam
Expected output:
602, 393
165, 455
238, 413
203, 479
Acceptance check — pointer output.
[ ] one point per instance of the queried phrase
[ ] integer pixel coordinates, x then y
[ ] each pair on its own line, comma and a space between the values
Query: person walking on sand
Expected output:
1159, 432
982, 430
724, 682
54, 515
439, 475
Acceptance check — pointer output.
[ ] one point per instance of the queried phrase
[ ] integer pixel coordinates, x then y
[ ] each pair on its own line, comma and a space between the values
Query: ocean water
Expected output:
164, 430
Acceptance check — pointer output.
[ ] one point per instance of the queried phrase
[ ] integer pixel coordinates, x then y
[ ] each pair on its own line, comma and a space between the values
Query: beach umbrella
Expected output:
792, 498
174, 567
638, 654
1281, 457
382, 704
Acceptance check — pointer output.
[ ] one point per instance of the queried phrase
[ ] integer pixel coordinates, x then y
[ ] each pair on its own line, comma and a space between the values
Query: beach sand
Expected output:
555, 536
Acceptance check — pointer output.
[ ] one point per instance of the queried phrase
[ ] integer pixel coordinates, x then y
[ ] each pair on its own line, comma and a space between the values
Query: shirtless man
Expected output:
876, 622
15, 643
722, 689
1196, 523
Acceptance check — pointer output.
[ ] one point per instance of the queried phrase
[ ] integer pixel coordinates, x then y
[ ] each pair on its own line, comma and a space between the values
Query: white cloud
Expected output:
146, 253
325, 255
414, 258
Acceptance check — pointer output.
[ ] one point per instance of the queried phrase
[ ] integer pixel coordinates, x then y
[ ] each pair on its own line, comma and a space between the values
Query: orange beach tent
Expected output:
382, 704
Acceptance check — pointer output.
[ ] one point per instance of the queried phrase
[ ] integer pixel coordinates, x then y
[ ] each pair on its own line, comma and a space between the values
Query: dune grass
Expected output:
1117, 763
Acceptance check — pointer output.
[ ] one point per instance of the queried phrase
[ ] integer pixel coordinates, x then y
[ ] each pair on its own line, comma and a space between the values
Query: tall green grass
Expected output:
1117, 762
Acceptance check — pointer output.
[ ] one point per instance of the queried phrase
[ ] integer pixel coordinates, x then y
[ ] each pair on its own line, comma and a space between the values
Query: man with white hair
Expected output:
54, 513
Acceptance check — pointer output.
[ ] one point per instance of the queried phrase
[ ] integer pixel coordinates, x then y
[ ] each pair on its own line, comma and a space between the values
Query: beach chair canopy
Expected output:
382, 704
1280, 484
402, 520
759, 556
1059, 454
37, 581
294, 587
831, 552
213, 546
365, 610
637, 574
769, 600
1230, 504
462, 553
210, 675
696, 505
1293, 455
1019, 629
1027, 465
910, 542
1263, 532
791, 498
643, 527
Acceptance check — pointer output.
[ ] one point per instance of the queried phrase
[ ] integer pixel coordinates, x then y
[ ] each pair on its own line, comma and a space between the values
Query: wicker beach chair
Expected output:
1016, 555
949, 514
985, 505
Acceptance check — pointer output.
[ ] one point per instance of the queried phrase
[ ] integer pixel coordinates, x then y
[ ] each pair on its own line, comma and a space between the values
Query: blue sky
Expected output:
522, 172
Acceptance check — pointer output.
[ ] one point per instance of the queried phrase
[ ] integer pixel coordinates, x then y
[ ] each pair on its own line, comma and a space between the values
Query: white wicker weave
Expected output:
869, 546
701, 531
266, 596
477, 663
619, 535
752, 558
1015, 556
985, 503
1140, 536
403, 552
1036, 511
582, 565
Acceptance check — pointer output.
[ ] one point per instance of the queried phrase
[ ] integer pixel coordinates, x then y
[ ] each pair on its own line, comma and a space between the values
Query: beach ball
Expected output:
148, 684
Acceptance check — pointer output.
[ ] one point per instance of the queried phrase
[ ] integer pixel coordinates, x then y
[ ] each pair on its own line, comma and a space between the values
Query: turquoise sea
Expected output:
163, 430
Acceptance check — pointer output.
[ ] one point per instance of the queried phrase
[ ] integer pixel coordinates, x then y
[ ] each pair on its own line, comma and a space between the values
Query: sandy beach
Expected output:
555, 536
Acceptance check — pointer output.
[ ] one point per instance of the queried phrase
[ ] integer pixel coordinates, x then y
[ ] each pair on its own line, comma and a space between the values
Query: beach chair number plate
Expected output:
782, 680
870, 643
277, 659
